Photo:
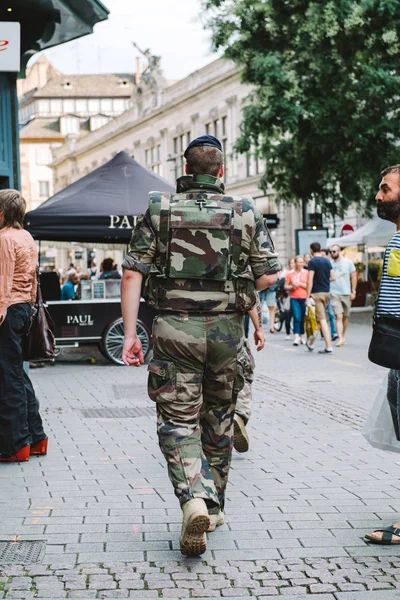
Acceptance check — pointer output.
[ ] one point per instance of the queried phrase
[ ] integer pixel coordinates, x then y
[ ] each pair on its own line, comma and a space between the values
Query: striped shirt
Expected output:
388, 302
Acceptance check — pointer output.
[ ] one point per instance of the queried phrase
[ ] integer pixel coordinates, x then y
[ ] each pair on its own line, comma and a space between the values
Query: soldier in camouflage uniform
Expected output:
202, 255
244, 402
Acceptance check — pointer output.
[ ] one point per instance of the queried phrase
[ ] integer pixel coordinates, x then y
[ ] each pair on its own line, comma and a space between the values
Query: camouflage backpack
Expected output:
203, 245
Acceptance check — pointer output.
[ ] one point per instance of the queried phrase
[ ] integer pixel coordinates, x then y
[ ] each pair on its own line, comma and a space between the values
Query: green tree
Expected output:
324, 112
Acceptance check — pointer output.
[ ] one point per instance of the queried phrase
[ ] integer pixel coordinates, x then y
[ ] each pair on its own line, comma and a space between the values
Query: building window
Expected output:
106, 105
224, 143
98, 121
153, 159
208, 128
254, 165
44, 189
68, 106
224, 127
94, 106
216, 128
44, 107
180, 143
56, 107
69, 125
118, 105
81, 106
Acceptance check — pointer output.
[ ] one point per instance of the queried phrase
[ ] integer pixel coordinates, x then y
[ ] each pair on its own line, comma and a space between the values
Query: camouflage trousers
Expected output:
244, 403
194, 378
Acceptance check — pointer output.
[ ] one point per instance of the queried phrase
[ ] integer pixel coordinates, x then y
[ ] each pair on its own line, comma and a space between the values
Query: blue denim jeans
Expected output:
20, 421
332, 319
298, 307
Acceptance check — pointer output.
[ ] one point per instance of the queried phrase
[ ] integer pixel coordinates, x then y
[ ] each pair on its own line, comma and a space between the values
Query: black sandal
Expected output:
387, 536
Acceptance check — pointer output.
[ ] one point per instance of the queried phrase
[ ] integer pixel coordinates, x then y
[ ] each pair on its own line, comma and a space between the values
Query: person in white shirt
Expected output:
343, 291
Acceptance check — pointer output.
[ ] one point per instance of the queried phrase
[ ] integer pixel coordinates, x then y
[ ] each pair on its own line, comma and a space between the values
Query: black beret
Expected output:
204, 140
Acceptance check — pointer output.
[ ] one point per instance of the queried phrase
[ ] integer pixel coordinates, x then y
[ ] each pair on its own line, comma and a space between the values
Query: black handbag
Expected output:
384, 348
39, 343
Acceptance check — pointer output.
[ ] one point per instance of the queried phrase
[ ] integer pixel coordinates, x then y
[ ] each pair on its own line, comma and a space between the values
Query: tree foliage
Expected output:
324, 112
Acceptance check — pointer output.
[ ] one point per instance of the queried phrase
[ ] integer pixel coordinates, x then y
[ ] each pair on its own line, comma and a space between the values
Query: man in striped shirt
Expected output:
388, 302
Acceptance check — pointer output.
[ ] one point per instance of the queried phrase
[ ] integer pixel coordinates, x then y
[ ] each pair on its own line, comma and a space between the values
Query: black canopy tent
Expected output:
99, 207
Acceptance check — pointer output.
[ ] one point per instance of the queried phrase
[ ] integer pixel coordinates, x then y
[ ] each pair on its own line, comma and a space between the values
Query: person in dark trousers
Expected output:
21, 428
320, 274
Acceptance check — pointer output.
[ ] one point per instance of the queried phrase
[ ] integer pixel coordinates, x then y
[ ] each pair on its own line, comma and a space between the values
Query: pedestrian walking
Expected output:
288, 315
388, 304
21, 428
296, 285
268, 298
206, 253
343, 291
320, 274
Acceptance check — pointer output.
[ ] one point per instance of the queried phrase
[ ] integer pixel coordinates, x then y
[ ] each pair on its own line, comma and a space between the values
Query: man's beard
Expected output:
389, 210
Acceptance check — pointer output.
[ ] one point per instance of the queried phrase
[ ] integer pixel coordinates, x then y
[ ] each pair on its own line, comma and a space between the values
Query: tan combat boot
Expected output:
216, 520
195, 522
240, 437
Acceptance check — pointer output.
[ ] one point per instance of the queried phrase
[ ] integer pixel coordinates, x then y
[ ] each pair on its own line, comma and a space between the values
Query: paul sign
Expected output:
122, 222
81, 320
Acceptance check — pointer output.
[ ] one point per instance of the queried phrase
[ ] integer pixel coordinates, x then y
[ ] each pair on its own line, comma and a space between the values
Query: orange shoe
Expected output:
40, 448
19, 456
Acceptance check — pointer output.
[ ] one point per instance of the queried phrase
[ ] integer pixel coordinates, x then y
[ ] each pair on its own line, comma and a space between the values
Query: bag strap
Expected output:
236, 236
39, 298
164, 233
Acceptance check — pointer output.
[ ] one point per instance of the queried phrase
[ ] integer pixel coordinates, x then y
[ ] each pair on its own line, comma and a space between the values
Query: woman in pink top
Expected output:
21, 429
296, 284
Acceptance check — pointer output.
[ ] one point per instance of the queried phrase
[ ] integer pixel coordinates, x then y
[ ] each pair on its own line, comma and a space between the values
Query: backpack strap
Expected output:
236, 236
163, 233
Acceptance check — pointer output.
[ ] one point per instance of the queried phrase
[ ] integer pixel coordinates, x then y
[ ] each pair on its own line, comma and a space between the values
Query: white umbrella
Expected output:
376, 232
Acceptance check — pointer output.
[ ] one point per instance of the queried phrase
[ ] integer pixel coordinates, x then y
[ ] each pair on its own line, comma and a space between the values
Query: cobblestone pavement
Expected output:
299, 502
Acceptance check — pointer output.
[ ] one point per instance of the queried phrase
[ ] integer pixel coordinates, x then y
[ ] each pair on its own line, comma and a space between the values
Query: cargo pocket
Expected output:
189, 387
393, 268
161, 384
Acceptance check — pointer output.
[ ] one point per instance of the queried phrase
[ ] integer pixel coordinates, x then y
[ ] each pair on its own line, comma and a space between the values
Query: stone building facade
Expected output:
161, 122
54, 109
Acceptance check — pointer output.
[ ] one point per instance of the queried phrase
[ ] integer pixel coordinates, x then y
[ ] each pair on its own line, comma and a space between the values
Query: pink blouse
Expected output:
18, 260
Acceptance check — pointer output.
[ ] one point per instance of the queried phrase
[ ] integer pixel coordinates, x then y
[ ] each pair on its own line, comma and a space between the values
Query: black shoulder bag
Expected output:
384, 348
39, 343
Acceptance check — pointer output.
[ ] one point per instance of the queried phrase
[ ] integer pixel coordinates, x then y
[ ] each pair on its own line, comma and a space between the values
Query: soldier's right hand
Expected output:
132, 353
259, 338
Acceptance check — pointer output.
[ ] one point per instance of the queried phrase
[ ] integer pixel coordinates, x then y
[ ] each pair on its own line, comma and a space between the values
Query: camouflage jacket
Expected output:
211, 267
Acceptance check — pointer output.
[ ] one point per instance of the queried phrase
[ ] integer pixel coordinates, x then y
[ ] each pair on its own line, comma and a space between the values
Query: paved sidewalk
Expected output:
299, 502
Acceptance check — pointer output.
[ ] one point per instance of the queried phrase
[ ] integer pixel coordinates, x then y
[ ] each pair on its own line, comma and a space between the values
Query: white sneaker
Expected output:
195, 522
288, 337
